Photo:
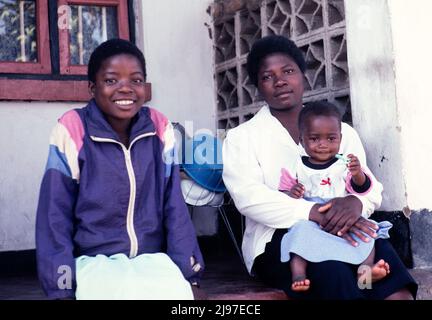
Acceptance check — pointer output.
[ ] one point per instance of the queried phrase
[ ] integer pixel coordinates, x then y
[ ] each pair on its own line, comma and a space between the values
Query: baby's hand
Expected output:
354, 165
297, 191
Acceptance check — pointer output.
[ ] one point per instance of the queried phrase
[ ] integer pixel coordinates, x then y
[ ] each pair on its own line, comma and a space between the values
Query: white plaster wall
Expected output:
24, 130
389, 53
373, 94
179, 56
411, 30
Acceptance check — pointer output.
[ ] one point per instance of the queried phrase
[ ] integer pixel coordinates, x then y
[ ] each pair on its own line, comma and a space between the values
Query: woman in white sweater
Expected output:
254, 154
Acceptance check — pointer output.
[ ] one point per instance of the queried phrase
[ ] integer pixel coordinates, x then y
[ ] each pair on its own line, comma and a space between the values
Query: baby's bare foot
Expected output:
300, 284
378, 271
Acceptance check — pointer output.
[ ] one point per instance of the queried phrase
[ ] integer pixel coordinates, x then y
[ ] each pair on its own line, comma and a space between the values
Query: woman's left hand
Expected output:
362, 228
342, 215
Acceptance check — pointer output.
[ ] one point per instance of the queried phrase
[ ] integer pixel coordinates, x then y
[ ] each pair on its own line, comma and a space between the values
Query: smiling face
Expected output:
321, 137
280, 82
119, 89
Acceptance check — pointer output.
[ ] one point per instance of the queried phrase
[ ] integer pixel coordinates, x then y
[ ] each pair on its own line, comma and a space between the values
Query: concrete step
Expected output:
27, 287
266, 295
423, 277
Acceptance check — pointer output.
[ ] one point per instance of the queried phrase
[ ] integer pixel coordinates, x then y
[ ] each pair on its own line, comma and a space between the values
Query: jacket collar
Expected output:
99, 127
273, 125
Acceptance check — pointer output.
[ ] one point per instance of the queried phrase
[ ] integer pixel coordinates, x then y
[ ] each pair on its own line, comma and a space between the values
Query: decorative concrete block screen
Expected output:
316, 26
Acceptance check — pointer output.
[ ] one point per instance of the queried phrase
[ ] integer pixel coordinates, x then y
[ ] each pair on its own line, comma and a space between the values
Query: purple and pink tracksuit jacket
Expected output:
99, 197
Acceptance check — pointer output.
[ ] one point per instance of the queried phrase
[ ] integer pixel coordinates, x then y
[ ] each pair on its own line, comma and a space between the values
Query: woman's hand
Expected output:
330, 217
342, 215
360, 227
317, 212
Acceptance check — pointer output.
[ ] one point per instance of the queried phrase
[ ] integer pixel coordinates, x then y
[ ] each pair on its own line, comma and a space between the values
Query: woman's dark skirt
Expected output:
334, 280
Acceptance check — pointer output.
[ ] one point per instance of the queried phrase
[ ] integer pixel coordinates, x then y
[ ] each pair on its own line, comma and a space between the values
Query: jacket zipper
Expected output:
132, 196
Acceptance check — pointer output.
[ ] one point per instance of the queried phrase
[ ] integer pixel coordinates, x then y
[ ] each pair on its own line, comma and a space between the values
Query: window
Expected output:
48, 44
91, 22
24, 37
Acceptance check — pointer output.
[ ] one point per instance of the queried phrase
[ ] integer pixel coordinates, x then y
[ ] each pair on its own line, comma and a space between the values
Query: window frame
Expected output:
25, 81
43, 65
123, 32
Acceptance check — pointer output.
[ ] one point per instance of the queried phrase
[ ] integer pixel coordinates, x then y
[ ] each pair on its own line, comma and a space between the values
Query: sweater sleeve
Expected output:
244, 179
55, 212
351, 143
182, 244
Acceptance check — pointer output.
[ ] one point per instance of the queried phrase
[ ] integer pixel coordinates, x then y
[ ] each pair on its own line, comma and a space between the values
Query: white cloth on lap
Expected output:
146, 277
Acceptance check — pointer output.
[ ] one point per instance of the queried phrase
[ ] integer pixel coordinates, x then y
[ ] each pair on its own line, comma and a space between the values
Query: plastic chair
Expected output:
202, 183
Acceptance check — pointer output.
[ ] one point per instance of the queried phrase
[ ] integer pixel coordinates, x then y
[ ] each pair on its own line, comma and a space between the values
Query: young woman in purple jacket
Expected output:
111, 219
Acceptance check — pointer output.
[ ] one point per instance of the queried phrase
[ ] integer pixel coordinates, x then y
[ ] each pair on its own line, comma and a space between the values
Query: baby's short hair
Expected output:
111, 48
318, 108
269, 45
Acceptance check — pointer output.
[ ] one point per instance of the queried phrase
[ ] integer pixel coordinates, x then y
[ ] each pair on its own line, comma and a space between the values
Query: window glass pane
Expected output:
18, 31
91, 25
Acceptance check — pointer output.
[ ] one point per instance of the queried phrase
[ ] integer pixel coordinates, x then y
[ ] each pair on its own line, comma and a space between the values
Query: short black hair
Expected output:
269, 45
111, 48
318, 108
